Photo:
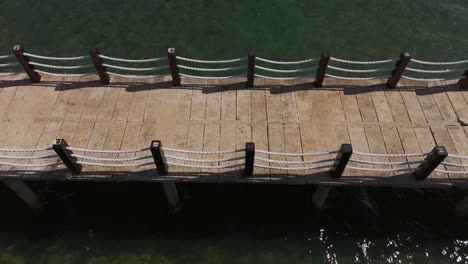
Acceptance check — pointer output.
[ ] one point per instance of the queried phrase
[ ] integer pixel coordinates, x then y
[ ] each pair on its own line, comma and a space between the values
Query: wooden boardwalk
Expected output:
288, 116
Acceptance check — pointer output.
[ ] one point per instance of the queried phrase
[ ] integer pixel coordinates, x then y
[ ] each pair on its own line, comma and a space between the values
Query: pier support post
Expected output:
320, 196
171, 56
322, 69
26, 194
172, 196
461, 208
98, 63
342, 158
430, 163
464, 81
249, 158
400, 67
24, 60
251, 68
60, 147
158, 157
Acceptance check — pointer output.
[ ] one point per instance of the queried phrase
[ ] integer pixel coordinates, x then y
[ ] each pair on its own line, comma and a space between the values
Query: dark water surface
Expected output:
129, 223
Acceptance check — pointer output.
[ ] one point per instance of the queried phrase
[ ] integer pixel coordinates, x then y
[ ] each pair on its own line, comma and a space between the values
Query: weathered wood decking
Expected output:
213, 115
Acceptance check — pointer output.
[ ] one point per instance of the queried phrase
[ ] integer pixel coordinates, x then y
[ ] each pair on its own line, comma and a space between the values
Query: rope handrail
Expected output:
203, 152
288, 62
55, 58
65, 74
136, 76
211, 69
135, 68
285, 71
210, 61
452, 172
29, 157
24, 150
380, 170
110, 159
439, 62
458, 156
294, 162
357, 78
132, 60
115, 165
210, 77
295, 154
454, 164
204, 166
292, 168
6, 56
436, 71
9, 73
283, 78
430, 79
360, 71
385, 163
202, 160
10, 64
108, 151
363, 62
32, 165
391, 155
61, 67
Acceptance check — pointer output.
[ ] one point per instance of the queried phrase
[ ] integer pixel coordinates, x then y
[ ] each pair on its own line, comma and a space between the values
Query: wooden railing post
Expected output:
171, 56
251, 69
464, 81
399, 69
430, 163
158, 156
249, 158
100, 69
18, 50
342, 158
322, 69
60, 147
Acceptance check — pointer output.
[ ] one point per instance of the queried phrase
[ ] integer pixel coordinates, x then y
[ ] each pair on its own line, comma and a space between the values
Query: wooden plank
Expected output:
459, 104
148, 133
108, 103
304, 105
364, 99
139, 102
413, 107
79, 96
460, 141
198, 107
93, 103
397, 106
129, 142
380, 102
8, 93
276, 144
213, 102
410, 144
443, 102
228, 104
195, 142
243, 104
114, 141
428, 104
274, 111
96, 141
359, 141
377, 146
227, 142
243, 135
260, 137
318, 100
259, 110
292, 141
124, 101
350, 104
288, 106
335, 105
180, 142
211, 143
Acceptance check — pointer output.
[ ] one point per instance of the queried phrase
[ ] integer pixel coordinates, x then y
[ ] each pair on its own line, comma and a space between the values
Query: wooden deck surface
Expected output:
219, 115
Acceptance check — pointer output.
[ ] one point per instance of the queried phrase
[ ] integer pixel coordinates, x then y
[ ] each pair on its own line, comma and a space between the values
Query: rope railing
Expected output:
357, 78
115, 165
208, 167
360, 71
391, 155
132, 60
211, 69
291, 168
363, 62
65, 74
11, 64
55, 58
211, 77
61, 67
285, 71
288, 62
211, 61
430, 79
24, 150
6, 56
108, 151
439, 62
203, 160
28, 158
451, 172
380, 170
295, 154
135, 68
385, 163
136, 76
215, 152
294, 162
31, 165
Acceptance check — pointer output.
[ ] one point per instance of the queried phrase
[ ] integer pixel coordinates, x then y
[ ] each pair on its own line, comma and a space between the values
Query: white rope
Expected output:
61, 67
294, 162
212, 69
439, 63
28, 157
288, 62
210, 61
9, 73
203, 166
391, 155
285, 71
360, 71
30, 165
135, 69
202, 160
110, 159
379, 170
385, 163
65, 74
458, 156
136, 76
363, 62
6, 56
132, 60
435, 71
115, 165
55, 58
430, 80
292, 169
284, 78
452, 172
25, 150
108, 151
210, 77
203, 152
295, 154
455, 165
11, 64
356, 78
